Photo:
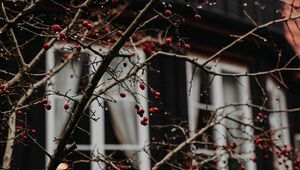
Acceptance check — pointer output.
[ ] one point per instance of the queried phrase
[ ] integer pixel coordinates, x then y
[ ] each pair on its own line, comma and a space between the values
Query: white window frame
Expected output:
97, 140
278, 121
297, 142
217, 101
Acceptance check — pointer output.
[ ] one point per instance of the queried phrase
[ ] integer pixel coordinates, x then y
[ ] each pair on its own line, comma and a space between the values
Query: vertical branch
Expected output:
19, 57
83, 104
10, 138
12, 117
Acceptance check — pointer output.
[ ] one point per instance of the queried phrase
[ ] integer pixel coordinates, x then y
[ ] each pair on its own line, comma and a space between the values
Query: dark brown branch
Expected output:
82, 106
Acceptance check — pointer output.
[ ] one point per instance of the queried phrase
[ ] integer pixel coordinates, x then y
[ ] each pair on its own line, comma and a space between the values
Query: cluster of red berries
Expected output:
153, 109
144, 121
285, 154
296, 164
185, 45
24, 135
87, 25
261, 117
264, 145
47, 105
142, 87
140, 111
57, 28
150, 47
157, 95
119, 33
78, 47
168, 13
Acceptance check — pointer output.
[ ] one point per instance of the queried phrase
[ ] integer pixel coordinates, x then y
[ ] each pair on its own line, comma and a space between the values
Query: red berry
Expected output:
197, 17
68, 56
168, 40
107, 28
24, 136
122, 95
46, 46
48, 106
157, 95
44, 100
119, 33
254, 159
2, 86
114, 1
78, 47
56, 27
85, 23
168, 12
151, 110
155, 109
19, 112
145, 119
233, 145
66, 106
62, 34
144, 123
141, 112
142, 86
18, 128
187, 46
89, 26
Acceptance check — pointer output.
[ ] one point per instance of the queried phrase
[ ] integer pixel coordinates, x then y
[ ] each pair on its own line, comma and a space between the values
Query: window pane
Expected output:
121, 125
82, 133
206, 140
60, 116
66, 82
231, 90
232, 94
201, 87
118, 67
